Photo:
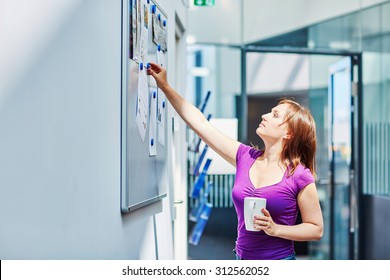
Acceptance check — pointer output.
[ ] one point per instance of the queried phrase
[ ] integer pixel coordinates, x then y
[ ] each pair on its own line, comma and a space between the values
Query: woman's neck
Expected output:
272, 154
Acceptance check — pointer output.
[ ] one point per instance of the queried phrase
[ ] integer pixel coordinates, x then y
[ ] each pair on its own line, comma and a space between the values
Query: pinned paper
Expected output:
159, 32
153, 122
144, 30
160, 56
161, 108
142, 101
135, 34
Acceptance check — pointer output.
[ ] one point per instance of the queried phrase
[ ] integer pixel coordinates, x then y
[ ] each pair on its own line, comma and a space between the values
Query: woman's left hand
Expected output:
265, 223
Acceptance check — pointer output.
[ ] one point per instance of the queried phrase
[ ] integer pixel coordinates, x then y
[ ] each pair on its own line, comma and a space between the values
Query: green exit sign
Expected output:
204, 2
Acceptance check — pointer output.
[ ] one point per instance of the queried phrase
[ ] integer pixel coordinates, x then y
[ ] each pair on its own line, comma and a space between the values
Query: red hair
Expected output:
301, 147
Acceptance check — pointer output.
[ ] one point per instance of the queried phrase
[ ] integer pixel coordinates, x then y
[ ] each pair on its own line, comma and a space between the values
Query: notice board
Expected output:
144, 173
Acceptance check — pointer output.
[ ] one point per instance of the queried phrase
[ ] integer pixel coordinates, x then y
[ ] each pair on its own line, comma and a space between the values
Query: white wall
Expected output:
60, 101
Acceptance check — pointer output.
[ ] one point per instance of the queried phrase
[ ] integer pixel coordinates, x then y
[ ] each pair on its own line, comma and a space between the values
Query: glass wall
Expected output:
375, 45
339, 34
367, 31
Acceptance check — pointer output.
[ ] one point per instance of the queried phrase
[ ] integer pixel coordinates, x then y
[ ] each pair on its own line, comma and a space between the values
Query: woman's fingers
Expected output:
265, 212
155, 67
263, 221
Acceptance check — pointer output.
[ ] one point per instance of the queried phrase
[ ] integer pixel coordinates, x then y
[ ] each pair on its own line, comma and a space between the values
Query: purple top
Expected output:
281, 203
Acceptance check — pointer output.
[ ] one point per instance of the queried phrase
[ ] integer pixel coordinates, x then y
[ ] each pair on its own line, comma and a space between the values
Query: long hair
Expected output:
301, 147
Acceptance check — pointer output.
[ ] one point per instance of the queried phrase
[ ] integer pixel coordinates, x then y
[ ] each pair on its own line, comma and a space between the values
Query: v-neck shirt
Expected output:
281, 203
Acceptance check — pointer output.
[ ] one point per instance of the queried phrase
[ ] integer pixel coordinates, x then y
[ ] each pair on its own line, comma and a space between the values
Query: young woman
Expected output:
283, 173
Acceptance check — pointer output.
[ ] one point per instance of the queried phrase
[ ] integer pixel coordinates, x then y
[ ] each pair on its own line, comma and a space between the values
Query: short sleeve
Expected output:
242, 150
303, 177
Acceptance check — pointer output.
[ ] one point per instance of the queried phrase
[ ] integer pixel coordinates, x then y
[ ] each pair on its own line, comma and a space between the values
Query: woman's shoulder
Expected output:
301, 169
303, 176
251, 151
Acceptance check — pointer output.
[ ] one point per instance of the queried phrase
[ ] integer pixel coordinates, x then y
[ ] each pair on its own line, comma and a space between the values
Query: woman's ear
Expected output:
287, 135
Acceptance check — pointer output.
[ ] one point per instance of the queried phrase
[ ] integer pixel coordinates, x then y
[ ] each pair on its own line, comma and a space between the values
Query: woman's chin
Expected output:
259, 131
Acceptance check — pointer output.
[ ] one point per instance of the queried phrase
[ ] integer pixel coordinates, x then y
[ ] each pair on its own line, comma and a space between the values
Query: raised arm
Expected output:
225, 146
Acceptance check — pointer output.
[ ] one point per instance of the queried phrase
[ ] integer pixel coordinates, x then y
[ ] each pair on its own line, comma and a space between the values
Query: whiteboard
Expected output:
144, 178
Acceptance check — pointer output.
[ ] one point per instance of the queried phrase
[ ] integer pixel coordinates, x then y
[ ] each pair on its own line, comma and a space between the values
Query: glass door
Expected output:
343, 193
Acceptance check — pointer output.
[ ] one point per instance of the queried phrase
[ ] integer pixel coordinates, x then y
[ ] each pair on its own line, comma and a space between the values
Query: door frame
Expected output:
357, 123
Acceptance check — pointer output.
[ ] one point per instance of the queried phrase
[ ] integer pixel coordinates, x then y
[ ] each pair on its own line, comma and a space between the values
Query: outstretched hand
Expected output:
159, 74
